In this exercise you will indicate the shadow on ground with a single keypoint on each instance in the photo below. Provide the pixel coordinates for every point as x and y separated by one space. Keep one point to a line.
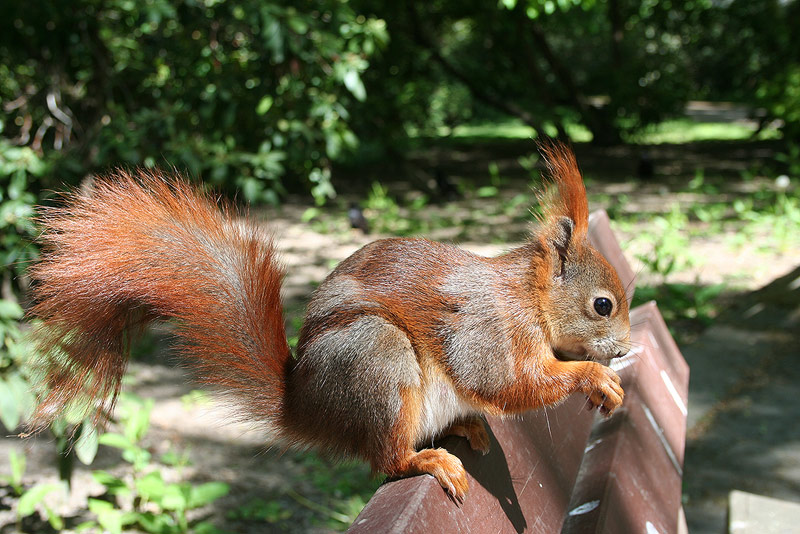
743 418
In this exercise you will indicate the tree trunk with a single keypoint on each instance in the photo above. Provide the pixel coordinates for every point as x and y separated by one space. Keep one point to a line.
534 70
476 89
603 132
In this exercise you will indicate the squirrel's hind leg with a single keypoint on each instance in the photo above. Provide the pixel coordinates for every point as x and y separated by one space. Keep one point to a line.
357 389
401 459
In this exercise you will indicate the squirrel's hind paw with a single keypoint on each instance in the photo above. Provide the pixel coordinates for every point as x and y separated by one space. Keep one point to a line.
446 468
474 430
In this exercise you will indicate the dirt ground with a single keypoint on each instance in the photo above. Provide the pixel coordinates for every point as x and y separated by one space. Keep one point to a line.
743 431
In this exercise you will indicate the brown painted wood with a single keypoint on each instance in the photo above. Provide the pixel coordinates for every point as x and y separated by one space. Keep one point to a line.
630 479
522 485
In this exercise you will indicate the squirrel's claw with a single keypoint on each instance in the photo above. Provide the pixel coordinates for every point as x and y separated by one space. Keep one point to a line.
604 391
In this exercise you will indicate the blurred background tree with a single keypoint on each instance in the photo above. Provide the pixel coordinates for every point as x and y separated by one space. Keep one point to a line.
610 66
242 93
265 96
262 98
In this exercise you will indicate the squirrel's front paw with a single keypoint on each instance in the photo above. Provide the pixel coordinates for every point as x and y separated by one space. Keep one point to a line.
603 389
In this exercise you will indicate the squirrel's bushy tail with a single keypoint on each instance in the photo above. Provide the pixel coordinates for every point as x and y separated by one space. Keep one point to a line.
140 247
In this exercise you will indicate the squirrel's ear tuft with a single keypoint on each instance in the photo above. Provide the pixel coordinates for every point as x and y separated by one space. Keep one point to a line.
564 195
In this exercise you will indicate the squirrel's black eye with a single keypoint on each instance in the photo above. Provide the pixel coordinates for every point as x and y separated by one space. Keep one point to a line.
603 306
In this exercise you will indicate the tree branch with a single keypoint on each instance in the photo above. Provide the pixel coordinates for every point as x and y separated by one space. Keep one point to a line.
474 87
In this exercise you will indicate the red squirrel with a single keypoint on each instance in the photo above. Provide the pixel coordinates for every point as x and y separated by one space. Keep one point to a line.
406 340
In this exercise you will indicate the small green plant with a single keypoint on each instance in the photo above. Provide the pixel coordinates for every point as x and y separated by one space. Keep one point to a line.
699 184
670 241
31 499
16 397
20 169
687 308
512 207
773 213
495 181
143 499
16 461
787 214
712 214
386 216
346 488
790 159
384 210
338 493
296 325
34 498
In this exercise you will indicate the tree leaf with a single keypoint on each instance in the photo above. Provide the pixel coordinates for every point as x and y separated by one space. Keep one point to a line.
352 80
160 523
9 412
118 441
207 493
17 461
109 519
23 394
55 520
86 446
264 105
151 487
10 310
28 501
114 485
176 497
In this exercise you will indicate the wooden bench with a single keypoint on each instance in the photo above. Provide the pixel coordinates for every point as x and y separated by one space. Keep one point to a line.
566 469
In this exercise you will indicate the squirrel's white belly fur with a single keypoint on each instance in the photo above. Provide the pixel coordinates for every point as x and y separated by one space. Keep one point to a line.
441 405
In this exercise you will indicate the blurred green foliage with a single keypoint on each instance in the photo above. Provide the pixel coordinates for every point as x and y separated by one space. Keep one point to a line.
265 96
139 500
143 500
609 67
242 93
19 168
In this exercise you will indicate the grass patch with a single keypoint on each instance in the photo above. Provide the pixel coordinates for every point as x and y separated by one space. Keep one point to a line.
338 493
673 131
509 129
478 209
684 130
688 309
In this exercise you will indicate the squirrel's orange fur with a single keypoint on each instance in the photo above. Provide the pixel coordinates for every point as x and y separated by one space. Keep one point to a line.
405 340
